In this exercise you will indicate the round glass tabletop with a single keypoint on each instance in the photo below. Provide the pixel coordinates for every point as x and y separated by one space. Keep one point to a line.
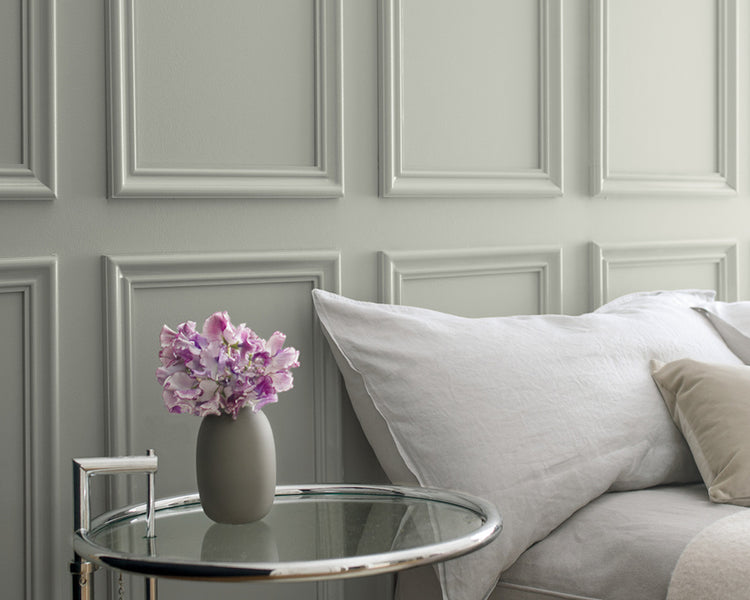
312 532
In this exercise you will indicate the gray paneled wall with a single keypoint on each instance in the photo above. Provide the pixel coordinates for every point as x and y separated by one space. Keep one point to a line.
161 160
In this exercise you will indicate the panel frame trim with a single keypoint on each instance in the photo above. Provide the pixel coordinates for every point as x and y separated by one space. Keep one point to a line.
546 181
398 267
722 254
35 178
36 279
606 182
325 179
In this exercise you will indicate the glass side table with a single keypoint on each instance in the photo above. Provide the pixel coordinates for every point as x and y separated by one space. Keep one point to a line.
313 532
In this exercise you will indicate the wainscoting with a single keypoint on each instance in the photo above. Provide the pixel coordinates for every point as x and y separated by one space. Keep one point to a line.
160 161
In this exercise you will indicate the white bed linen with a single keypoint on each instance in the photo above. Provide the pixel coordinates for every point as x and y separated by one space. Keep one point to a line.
622 546
538 414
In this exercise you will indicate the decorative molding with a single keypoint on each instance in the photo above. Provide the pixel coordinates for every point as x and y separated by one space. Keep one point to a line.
605 181
35 279
323 180
125 275
397 268
722 254
36 176
546 181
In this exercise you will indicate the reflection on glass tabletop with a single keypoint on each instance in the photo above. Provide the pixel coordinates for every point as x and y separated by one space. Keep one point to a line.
312 532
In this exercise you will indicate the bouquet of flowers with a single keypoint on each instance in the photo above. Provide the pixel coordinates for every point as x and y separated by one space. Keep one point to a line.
222 368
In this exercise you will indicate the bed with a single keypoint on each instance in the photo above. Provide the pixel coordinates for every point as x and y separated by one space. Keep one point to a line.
613 443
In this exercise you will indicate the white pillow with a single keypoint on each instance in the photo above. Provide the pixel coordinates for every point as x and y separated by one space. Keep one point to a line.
732 321
538 414
711 406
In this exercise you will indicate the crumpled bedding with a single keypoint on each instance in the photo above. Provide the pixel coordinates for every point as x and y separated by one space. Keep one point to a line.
539 414
622 546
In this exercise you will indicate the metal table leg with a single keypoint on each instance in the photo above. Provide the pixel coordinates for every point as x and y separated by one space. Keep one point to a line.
151 588
82 572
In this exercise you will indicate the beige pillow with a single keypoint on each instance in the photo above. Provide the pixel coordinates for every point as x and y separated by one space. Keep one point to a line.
710 403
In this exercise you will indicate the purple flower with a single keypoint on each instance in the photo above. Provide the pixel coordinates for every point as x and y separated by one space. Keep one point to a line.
223 368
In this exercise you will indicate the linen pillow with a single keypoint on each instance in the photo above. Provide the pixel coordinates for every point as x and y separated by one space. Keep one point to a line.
539 414
710 404
732 321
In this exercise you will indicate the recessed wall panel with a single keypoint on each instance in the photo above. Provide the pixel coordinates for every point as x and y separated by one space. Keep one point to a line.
265 307
11 83
471 98
663 101
12 443
27 100
619 269
475 282
238 98
470 84
664 96
29 514
249 100
476 295
635 278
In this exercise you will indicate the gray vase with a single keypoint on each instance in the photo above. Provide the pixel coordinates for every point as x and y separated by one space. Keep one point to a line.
235 462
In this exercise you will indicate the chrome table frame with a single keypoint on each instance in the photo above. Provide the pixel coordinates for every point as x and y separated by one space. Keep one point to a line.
89 554
83 469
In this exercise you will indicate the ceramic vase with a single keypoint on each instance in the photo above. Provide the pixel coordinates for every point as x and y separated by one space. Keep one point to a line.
235 462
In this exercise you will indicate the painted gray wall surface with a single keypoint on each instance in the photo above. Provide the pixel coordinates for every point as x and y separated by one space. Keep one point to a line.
160 160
